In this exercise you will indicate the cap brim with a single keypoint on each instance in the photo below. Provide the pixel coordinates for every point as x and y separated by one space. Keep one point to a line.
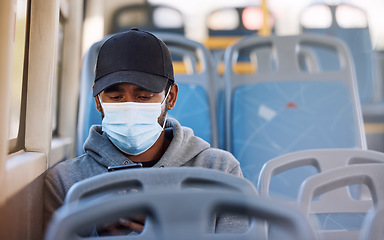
150 82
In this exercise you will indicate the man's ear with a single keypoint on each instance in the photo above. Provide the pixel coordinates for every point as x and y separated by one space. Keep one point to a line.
172 97
98 104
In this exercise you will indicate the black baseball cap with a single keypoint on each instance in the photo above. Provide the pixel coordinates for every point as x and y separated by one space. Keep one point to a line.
136 57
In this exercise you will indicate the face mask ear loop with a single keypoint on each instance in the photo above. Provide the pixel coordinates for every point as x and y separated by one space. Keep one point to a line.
166 96
165 120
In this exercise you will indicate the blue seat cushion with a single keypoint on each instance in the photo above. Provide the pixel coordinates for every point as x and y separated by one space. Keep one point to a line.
273 118
192 110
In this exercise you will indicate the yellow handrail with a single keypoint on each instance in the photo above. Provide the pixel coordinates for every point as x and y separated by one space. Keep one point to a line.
265 29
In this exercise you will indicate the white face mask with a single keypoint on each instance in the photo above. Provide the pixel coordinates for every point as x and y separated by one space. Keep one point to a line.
132 127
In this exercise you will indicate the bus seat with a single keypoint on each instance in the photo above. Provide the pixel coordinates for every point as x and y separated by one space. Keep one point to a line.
88 114
273 182
308 61
150 179
181 215
195 107
358 40
365 57
341 206
269 114
225 27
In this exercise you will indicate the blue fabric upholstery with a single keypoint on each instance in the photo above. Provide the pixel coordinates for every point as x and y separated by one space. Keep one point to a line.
192 110
274 118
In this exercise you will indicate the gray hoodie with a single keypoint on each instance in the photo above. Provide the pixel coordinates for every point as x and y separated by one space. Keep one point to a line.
185 149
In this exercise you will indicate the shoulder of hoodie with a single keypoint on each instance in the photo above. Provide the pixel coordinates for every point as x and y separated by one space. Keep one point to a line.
219 154
78 168
219 158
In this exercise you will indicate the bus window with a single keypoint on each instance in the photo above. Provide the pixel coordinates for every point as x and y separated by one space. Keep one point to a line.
253 18
165 17
350 17
226 19
17 76
310 17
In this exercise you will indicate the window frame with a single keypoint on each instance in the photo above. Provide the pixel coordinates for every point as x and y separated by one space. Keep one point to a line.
17 144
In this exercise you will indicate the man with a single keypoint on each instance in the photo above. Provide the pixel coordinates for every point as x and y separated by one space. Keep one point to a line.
134 88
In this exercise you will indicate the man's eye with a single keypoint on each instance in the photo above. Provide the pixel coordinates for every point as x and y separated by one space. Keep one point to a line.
144 97
115 98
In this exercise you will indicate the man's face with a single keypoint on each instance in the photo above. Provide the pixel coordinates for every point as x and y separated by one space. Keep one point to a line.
125 92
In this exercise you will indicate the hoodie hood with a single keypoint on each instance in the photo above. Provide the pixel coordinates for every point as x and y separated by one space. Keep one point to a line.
183 147
101 149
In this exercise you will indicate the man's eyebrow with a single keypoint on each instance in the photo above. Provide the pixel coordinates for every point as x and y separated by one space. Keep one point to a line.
119 89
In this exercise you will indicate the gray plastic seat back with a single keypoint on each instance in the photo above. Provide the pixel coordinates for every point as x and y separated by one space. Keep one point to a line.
285 108
151 179
370 175
179 215
320 159
143 180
